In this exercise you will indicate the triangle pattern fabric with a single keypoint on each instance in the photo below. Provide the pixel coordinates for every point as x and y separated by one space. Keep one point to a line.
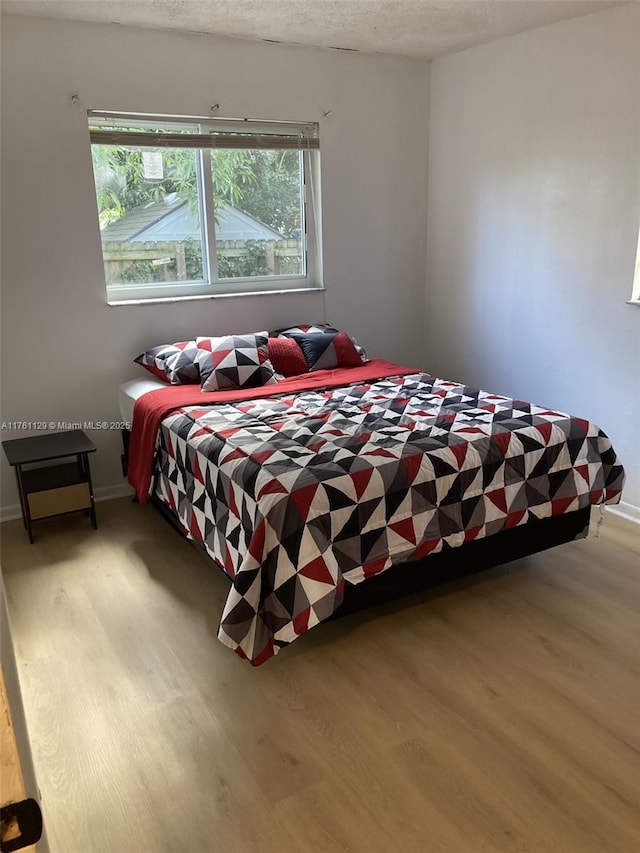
235 361
296 494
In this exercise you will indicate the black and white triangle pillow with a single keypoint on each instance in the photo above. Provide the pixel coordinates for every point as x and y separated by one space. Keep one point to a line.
235 361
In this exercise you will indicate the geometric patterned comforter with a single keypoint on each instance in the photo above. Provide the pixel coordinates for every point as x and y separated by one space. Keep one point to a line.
296 495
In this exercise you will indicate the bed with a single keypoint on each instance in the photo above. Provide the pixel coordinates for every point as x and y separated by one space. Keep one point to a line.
376 479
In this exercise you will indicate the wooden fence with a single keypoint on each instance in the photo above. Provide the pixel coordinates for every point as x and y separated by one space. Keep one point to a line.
170 261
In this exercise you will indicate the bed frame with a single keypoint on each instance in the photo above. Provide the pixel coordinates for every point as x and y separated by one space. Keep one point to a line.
448 565
451 564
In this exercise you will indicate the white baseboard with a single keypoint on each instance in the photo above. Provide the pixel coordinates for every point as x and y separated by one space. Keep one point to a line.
628 512
108 493
105 493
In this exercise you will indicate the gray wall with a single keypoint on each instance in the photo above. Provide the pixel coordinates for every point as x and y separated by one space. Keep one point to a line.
534 205
64 350
533 211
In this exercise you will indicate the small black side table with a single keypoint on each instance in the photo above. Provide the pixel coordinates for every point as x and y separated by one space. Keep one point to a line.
56 489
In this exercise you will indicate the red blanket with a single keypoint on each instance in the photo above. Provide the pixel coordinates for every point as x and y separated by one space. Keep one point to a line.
153 407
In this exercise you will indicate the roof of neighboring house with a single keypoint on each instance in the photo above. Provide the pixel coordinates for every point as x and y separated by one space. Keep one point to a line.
173 220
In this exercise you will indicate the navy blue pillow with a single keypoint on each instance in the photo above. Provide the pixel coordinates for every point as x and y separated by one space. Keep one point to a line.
327 350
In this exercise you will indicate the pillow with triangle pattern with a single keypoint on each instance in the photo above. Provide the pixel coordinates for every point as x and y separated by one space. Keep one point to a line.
327 350
235 361
317 329
174 363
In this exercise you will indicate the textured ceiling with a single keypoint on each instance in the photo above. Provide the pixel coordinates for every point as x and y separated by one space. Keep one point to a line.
415 28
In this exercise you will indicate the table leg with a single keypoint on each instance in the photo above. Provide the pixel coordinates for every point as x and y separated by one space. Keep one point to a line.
87 470
24 504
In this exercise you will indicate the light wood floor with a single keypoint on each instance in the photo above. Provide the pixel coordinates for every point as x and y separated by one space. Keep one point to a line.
498 714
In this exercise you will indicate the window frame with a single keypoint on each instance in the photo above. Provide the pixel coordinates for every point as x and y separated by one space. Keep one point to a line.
214 286
635 289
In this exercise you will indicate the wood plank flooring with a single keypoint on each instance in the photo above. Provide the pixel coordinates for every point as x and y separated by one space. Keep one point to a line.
501 713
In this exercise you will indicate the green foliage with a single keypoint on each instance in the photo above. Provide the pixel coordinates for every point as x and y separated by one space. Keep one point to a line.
193 259
252 262
273 193
139 272
233 175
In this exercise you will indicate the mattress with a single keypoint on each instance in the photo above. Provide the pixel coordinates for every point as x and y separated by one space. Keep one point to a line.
131 390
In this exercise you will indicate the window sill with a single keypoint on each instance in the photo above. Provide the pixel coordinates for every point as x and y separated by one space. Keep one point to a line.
635 302
159 300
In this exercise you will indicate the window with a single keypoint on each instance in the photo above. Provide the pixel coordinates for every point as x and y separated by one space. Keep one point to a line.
635 293
191 207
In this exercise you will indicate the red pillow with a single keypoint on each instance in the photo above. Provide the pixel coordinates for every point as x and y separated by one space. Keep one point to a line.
346 351
287 357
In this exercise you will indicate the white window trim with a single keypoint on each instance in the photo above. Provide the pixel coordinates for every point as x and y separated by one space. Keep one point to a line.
310 280
160 300
221 287
635 292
